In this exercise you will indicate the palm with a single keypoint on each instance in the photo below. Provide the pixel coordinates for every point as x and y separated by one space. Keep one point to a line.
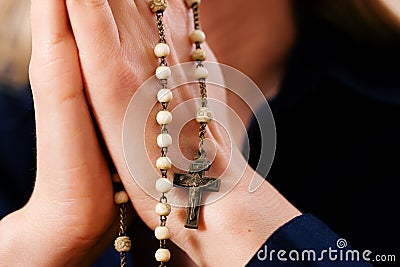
117 57
72 172
73 179
109 53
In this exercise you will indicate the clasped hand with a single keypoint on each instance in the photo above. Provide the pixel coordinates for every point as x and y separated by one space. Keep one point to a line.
88 58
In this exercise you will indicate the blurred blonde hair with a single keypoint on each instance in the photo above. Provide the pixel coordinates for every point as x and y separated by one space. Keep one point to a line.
15 42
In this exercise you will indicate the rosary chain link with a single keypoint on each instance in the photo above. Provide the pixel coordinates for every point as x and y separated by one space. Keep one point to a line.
122 259
202 130
203 89
160 26
122 219
163 82
122 232
164 106
196 16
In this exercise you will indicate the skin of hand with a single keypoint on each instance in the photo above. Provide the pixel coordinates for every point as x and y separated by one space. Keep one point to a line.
71 209
115 40
107 50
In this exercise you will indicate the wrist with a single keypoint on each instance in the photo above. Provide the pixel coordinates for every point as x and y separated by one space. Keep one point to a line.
238 225
20 244
25 241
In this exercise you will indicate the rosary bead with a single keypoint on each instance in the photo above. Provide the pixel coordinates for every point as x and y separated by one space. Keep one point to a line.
164 95
163 209
121 197
161 50
115 178
197 36
200 73
163 185
122 244
204 114
163 255
158 5
164 117
164 140
163 72
163 163
190 3
162 233
199 54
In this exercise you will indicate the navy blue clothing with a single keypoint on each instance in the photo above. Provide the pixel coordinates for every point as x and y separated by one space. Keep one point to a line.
304 242
17 148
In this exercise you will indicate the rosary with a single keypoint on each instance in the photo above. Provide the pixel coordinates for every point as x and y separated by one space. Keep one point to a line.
194 181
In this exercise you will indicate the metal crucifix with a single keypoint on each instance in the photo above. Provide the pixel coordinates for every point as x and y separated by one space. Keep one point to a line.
196 183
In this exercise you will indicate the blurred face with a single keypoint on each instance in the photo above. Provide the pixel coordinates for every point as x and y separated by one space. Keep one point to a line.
252 36
394 8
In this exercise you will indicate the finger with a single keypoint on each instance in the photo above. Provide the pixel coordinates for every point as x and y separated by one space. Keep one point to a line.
143 8
124 13
50 24
54 73
53 50
65 134
96 33
98 40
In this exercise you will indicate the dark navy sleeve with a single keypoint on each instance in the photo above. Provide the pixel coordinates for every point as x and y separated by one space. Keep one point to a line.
306 241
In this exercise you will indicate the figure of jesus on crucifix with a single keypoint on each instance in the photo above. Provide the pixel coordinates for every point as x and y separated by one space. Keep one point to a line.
196 182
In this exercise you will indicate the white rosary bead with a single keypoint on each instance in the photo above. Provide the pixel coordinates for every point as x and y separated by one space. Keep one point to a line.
163 209
164 95
200 73
163 72
121 197
163 185
161 50
198 36
164 117
190 3
164 140
204 114
163 163
163 255
162 232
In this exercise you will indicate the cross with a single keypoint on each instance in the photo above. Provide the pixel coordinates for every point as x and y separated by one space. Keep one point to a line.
196 183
